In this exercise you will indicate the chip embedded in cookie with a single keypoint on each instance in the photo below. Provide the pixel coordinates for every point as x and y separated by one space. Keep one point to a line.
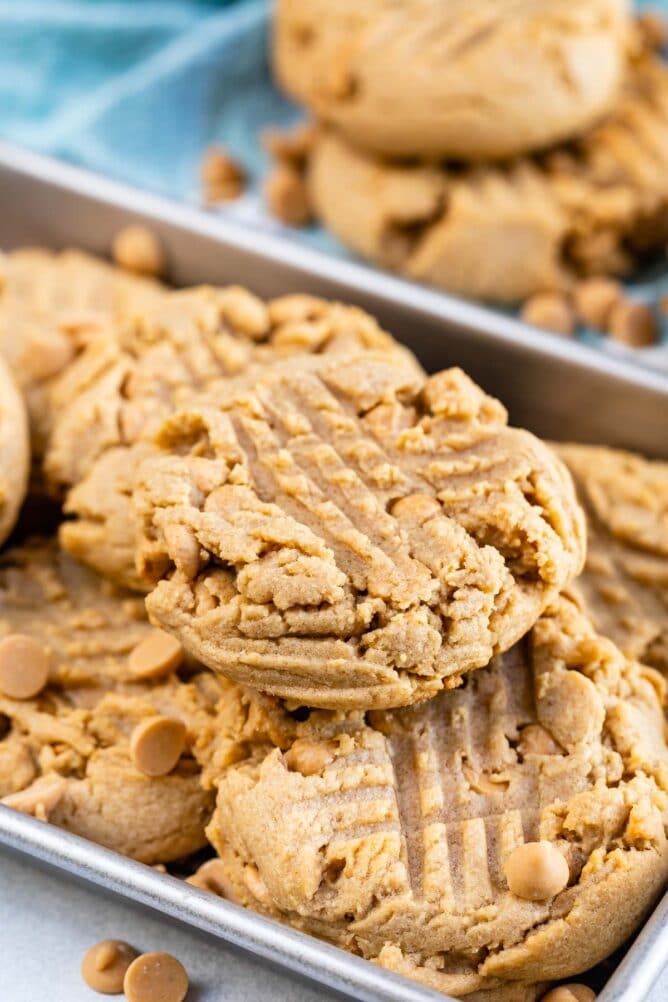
485 833
71 701
352 534
14 452
624 585
112 399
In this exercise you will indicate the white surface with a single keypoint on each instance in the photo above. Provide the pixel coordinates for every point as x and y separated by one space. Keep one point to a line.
47 922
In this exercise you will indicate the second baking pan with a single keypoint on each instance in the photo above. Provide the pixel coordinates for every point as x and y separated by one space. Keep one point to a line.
557 388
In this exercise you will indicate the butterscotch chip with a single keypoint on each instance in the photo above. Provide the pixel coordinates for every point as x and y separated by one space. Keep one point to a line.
156 655
157 744
137 249
293 146
104 965
287 197
24 666
155 977
551 312
595 299
310 757
633 324
570 993
536 871
416 508
212 876
398 849
223 178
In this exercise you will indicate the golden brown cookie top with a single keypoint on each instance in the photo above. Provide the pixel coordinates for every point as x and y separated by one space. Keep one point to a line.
478 835
352 534
505 232
14 451
458 80
624 586
125 384
51 306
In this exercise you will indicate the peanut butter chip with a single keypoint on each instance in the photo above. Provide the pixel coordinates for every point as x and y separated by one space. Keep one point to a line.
287 197
595 299
24 667
416 508
536 871
633 324
156 745
212 876
570 993
137 249
155 977
310 757
551 312
156 655
104 965
223 179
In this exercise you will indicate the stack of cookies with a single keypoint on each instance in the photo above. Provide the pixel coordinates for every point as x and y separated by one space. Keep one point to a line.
493 149
328 614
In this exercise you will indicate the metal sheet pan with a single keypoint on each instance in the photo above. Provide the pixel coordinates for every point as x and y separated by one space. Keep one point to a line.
555 387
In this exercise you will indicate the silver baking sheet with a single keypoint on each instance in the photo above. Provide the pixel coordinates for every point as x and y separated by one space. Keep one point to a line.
556 387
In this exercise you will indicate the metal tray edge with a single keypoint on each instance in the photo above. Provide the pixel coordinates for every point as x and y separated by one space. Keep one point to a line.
357 277
304 955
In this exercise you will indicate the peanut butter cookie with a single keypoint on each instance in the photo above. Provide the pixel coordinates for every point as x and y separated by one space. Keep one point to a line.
14 452
471 842
80 678
624 586
459 79
352 534
111 400
503 233
51 306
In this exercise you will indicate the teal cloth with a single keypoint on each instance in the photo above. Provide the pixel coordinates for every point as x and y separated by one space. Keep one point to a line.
137 89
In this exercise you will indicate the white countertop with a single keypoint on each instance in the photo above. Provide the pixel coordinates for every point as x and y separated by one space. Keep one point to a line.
48 921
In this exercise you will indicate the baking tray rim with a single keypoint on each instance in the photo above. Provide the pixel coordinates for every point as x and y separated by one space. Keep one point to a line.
359 277
302 954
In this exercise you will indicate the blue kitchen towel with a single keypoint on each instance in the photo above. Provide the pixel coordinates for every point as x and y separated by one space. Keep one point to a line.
135 90
138 90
